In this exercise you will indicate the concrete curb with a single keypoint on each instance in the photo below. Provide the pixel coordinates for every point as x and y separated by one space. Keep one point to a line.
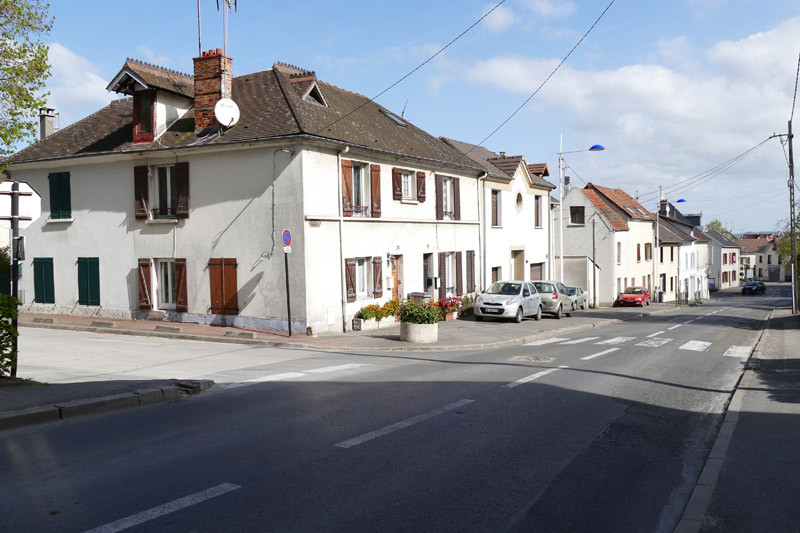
103 404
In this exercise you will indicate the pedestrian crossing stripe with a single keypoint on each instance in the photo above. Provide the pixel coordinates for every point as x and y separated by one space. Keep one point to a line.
654 342
738 351
541 342
696 346
616 340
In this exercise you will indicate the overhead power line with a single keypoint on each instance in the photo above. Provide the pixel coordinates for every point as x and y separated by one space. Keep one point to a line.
796 77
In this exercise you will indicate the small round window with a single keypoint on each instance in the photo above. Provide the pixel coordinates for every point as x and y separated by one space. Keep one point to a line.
519 202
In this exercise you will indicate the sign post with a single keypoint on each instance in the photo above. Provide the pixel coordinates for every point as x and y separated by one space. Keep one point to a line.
287 249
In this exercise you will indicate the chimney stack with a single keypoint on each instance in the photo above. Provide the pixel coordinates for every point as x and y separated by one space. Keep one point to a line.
212 82
503 155
47 117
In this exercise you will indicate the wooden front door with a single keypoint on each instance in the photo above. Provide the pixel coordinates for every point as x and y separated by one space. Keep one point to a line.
397 274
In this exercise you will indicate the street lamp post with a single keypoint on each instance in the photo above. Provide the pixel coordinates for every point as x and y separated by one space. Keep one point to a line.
594 148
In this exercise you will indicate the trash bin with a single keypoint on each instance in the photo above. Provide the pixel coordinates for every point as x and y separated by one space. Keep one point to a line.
660 297
421 297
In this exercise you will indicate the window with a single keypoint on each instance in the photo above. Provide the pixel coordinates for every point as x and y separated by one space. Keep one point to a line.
619 253
88 281
638 253
360 190
448 198
672 283
733 257
363 281
661 254
143 115
576 215
734 275
496 221
166 193
60 198
409 185
167 290
648 251
619 285
43 292
769 259
537 204
519 203
495 274
760 258
672 255
170 191
724 261
450 274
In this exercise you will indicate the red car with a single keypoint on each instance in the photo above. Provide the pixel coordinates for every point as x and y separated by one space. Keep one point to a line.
635 296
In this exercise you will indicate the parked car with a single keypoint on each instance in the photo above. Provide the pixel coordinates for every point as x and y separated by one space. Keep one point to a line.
578 296
754 287
509 299
634 296
555 298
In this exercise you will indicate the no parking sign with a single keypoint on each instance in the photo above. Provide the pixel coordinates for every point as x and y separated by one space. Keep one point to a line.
287 241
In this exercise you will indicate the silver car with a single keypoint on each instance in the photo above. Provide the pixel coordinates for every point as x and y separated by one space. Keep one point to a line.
555 298
578 296
509 299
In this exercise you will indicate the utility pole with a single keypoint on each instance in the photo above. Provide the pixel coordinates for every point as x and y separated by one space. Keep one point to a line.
792 224
594 263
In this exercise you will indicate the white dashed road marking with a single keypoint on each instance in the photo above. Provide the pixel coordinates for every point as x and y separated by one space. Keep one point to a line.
167 508
401 425
654 343
276 377
599 354
616 340
578 341
656 334
545 341
675 326
697 346
738 351
531 378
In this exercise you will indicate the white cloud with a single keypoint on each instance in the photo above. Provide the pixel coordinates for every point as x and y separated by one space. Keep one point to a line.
76 90
500 19
551 8
151 57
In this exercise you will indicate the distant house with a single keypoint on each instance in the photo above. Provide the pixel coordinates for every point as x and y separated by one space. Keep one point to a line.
723 268
760 259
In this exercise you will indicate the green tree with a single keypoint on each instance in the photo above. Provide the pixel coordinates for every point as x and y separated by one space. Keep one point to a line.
783 244
23 69
716 225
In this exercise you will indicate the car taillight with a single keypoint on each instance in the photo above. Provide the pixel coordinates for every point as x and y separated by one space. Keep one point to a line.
555 295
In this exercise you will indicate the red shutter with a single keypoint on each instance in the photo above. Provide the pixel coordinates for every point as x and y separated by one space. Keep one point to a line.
442 275
459 278
182 182
420 186
470 271
439 198
377 277
230 288
145 303
350 278
375 190
140 191
347 187
456 199
397 183
182 303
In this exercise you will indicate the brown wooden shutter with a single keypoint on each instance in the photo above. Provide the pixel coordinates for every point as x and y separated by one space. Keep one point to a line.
377 277
495 198
140 191
215 279
145 302
470 271
459 277
182 303
420 186
456 199
397 183
347 187
375 190
439 198
182 182
350 278
230 286
442 275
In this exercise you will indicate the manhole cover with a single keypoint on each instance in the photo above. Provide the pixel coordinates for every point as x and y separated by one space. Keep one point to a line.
532 359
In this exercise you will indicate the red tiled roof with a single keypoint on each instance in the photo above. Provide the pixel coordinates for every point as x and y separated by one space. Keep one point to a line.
608 212
624 202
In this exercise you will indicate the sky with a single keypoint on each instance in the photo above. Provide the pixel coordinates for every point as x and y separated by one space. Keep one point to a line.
672 89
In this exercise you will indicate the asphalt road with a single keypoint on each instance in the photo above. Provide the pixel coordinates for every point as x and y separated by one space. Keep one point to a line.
600 430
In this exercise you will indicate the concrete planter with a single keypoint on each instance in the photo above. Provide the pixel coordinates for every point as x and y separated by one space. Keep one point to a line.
419 333
364 324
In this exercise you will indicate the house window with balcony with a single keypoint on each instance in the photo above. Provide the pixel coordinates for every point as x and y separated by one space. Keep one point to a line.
360 190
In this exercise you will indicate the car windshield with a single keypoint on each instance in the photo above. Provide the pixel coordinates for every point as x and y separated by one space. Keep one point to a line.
502 287
572 291
751 284
544 287
633 290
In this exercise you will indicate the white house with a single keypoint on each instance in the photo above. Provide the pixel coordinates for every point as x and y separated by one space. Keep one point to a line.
723 264
151 208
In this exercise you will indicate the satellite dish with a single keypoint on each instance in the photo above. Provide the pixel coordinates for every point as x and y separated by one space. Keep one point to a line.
227 112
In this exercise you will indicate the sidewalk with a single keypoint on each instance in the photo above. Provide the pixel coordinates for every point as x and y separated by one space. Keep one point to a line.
750 481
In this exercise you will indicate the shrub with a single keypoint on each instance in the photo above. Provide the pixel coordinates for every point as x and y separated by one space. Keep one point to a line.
370 311
418 313
391 308
8 312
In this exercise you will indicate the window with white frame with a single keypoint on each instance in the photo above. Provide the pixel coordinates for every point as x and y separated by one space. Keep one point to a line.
361 196
362 276
450 274
167 288
166 193
448 203
409 185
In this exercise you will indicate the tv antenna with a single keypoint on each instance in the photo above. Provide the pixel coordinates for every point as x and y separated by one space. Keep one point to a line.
227 6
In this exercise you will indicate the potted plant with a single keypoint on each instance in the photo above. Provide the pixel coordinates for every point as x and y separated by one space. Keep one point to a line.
419 322
367 318
449 307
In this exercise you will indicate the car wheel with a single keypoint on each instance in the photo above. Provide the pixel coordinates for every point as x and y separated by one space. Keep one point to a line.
518 316
571 309
583 305
478 318
648 302
538 315
557 315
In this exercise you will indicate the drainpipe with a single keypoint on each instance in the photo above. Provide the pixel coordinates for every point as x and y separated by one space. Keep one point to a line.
482 227
341 238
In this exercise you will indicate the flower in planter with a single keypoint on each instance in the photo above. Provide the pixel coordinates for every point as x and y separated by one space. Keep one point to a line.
370 311
418 313
450 305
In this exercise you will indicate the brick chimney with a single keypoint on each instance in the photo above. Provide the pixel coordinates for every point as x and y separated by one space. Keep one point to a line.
212 82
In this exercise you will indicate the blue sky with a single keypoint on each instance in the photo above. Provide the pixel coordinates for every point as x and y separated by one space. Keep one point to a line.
671 88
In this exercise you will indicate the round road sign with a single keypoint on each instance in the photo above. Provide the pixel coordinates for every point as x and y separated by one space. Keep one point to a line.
287 237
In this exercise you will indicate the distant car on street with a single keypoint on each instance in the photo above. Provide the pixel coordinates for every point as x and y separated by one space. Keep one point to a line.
634 296
754 287
555 298
509 299
578 296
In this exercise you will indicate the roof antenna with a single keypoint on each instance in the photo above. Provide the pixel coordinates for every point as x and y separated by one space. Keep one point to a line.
199 35
229 5
403 113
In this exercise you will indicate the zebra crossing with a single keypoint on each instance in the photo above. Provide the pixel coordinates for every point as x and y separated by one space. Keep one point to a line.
653 340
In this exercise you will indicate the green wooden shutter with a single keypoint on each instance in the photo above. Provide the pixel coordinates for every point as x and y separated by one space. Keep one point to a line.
43 289
60 200
88 281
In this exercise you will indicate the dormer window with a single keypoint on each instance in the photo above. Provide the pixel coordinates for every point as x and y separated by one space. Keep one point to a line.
313 94
144 115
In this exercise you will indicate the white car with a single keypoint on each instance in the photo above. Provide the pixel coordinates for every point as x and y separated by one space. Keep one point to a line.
509 299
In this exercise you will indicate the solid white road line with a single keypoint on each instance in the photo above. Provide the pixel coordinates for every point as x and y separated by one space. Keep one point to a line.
400 425
327 369
578 341
276 377
599 354
532 377
738 351
167 508
545 341
697 346
656 334
675 326
616 340
654 343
